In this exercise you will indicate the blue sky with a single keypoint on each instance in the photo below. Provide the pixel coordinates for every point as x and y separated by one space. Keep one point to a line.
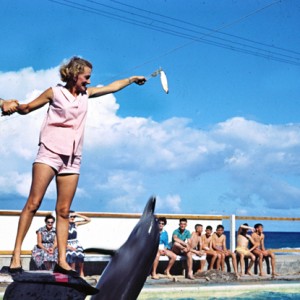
225 140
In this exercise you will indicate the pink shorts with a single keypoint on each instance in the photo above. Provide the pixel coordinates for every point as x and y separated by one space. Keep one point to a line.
63 164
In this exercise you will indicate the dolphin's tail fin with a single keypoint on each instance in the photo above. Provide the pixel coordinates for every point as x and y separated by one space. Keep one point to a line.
100 251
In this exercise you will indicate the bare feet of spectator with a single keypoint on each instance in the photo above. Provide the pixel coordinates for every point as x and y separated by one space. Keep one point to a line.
154 276
168 274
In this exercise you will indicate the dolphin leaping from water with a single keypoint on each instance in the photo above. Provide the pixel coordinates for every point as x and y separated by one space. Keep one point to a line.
126 273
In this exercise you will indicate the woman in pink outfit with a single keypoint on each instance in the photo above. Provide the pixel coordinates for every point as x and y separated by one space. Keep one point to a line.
60 149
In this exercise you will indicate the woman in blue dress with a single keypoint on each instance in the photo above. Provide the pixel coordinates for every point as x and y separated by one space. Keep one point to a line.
75 254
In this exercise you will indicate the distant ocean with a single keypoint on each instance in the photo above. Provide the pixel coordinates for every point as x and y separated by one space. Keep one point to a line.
278 240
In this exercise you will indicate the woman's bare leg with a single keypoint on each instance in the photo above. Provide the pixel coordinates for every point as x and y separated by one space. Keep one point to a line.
81 268
42 175
242 262
66 188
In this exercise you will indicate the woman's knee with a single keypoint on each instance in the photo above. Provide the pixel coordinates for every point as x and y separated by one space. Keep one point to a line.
62 212
32 205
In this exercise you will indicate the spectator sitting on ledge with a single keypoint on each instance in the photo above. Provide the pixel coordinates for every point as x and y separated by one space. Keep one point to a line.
44 253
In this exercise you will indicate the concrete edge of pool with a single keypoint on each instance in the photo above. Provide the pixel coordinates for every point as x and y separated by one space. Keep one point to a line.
222 290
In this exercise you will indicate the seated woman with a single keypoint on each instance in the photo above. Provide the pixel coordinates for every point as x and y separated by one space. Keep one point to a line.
44 253
75 255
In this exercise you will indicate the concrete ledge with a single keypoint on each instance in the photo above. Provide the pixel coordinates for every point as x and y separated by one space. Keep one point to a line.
95 264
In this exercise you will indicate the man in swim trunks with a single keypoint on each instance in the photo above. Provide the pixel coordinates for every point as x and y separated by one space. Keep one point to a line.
261 252
219 245
242 248
196 246
180 241
207 247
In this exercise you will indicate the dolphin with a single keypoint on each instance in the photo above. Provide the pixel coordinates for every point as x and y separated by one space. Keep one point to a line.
127 271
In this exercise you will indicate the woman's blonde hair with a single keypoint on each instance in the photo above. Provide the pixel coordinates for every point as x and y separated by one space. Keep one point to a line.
71 69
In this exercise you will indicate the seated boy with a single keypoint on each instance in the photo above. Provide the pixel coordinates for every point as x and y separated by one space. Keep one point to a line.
219 245
261 252
196 246
207 247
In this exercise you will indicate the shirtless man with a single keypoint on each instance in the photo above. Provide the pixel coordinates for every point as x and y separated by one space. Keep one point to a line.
207 247
180 241
196 246
261 251
219 245
242 248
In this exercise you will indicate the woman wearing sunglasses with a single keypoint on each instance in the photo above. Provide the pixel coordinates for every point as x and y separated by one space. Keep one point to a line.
75 254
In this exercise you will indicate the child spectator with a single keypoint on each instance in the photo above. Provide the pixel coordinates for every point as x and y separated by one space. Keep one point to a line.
219 245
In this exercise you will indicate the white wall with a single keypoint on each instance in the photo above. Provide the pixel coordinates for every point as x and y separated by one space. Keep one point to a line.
109 233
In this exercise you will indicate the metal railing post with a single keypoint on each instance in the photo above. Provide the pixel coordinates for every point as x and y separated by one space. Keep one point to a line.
232 233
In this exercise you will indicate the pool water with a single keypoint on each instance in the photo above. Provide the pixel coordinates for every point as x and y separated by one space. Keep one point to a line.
243 292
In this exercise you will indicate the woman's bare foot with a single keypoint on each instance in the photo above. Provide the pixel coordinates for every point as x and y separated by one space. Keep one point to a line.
262 274
15 261
249 273
191 276
64 265
274 275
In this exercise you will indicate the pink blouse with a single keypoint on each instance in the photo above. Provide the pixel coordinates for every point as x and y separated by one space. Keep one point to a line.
63 128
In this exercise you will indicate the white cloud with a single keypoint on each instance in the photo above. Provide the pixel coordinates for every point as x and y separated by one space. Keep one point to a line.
170 203
18 85
124 153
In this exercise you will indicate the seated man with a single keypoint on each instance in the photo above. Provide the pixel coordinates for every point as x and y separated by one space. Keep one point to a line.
261 252
196 246
180 241
163 250
242 248
219 245
207 247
